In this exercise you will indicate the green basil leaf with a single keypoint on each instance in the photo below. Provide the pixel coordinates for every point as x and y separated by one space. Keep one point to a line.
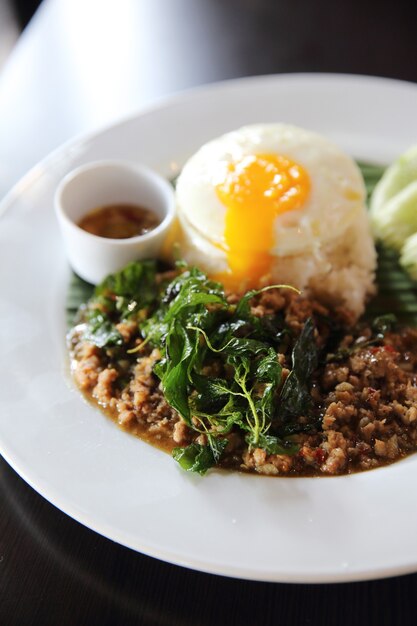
212 393
384 324
100 331
295 398
195 458
274 445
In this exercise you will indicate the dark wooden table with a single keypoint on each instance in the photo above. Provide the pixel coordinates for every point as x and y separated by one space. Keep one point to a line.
55 571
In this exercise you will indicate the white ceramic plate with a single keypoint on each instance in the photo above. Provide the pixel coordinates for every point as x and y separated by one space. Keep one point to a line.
282 529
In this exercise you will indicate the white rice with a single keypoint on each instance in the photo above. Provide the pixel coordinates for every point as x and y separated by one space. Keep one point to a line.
339 273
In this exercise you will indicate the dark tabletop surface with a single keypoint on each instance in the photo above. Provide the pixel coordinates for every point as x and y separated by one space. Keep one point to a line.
55 571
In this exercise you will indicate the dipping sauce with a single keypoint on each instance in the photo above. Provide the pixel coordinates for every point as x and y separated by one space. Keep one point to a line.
119 221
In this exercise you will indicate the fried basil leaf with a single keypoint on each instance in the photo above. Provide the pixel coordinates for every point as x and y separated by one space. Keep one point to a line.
274 445
101 331
295 398
197 458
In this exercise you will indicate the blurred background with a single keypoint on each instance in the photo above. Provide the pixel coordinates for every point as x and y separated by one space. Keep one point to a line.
14 17
73 66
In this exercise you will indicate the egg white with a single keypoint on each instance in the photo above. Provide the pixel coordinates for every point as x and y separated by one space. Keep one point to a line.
336 196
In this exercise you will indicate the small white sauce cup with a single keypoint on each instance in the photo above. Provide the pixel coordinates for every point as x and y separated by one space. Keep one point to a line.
103 183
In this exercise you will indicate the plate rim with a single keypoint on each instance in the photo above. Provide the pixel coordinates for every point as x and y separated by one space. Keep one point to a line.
168 100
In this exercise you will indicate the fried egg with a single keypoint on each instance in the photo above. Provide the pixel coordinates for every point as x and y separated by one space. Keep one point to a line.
263 193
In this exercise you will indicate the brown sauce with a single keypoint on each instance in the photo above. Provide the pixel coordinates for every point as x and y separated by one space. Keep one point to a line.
119 221
166 444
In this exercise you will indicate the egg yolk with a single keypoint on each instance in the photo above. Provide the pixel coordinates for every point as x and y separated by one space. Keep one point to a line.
255 190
